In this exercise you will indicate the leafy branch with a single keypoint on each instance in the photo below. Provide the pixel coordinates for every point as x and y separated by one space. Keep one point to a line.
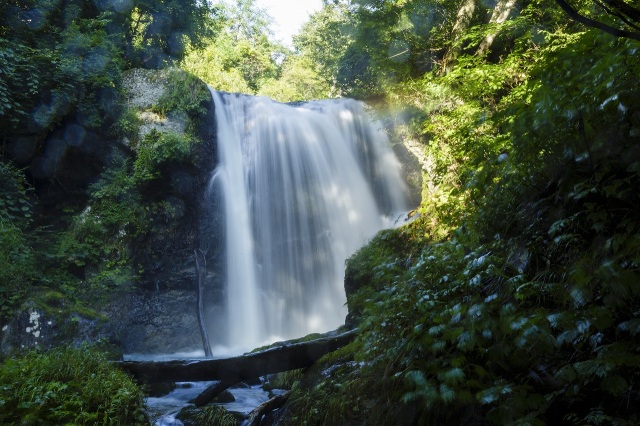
616 8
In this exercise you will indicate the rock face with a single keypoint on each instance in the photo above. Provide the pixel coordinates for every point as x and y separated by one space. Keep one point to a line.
29 328
34 327
161 316
156 322
411 173
144 88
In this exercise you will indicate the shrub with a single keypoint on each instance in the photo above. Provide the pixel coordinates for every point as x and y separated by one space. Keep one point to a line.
16 255
68 386
214 415
184 93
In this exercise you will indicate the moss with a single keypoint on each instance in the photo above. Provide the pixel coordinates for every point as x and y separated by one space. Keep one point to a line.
285 380
375 265
51 298
62 307
307 338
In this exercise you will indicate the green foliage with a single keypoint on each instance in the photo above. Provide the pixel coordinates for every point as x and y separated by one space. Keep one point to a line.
240 58
156 34
214 415
17 259
285 380
127 126
16 69
67 386
91 259
157 149
313 403
65 64
207 65
297 82
320 45
184 93
15 207
61 60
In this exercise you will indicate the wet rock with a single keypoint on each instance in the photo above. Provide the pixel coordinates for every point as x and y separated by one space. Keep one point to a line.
156 322
224 398
159 389
33 327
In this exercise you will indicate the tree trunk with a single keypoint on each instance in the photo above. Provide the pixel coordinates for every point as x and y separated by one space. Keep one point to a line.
463 19
276 402
201 272
573 13
210 393
500 14
241 368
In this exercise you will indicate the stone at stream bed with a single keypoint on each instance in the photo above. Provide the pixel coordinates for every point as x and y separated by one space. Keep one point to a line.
159 389
212 391
224 398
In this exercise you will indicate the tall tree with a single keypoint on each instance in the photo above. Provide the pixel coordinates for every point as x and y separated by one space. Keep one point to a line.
324 39
159 32
240 57
501 12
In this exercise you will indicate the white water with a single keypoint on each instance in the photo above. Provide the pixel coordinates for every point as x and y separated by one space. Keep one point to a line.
162 411
303 188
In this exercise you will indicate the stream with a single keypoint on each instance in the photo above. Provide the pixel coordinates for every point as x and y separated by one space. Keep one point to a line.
163 410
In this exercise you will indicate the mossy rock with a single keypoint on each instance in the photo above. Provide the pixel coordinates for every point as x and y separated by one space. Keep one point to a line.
208 415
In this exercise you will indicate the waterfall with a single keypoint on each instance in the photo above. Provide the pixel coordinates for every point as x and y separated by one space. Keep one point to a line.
302 187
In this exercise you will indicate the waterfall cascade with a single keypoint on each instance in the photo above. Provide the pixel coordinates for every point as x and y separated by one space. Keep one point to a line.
302 187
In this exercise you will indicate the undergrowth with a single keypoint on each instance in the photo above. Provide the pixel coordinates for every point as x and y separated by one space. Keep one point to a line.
67 386
527 309
214 415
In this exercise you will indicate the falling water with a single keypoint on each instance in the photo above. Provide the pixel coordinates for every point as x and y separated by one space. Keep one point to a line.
303 187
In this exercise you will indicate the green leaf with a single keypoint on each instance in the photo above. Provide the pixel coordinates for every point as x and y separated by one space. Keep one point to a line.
446 393
453 376
632 326
615 385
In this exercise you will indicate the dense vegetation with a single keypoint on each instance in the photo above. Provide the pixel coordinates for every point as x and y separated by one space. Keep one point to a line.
68 386
514 296
75 174
67 188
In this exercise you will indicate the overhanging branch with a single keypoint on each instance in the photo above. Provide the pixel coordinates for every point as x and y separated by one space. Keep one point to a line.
573 13
613 9
623 8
